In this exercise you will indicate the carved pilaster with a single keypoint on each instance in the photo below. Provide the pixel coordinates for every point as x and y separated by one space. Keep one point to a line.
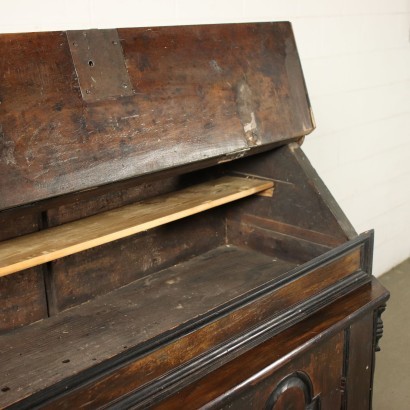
379 327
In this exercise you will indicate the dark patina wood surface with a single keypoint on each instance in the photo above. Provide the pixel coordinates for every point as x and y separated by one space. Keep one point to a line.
317 347
276 225
235 307
43 354
155 322
199 92
314 214
22 297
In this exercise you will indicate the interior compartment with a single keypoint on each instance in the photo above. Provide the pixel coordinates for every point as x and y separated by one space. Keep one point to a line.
99 302
112 282
273 222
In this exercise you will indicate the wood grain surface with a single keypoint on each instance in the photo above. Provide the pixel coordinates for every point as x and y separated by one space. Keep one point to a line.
236 385
301 198
50 244
199 93
132 318
34 357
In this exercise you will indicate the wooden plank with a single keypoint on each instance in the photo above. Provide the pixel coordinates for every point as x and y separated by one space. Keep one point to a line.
22 295
44 246
129 319
22 298
195 98
83 276
301 199
360 363
35 357
270 242
291 230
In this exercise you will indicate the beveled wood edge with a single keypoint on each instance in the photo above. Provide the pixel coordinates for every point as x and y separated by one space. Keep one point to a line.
379 297
191 370
126 183
313 236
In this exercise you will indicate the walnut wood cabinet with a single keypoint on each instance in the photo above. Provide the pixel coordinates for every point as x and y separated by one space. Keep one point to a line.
164 241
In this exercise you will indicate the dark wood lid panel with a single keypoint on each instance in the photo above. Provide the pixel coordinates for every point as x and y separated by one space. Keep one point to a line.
199 92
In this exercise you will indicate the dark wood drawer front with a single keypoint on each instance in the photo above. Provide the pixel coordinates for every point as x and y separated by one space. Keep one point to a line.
311 365
310 381
264 378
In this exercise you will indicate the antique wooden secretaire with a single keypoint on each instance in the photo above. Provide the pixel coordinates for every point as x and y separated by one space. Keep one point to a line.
164 241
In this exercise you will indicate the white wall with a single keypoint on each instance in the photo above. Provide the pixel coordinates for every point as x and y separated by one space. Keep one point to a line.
356 58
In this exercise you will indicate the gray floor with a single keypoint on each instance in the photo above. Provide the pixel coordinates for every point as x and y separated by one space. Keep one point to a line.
392 376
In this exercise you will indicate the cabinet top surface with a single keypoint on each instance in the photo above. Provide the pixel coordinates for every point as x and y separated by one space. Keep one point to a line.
81 109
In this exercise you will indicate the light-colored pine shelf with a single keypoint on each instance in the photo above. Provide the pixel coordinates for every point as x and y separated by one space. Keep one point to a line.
54 243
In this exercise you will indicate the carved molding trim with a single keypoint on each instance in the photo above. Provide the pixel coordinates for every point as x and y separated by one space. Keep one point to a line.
299 381
379 327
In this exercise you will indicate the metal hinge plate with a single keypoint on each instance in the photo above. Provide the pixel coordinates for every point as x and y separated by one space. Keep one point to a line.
99 63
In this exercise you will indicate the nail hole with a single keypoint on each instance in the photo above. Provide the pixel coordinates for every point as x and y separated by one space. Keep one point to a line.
91 63
5 388
66 361
125 347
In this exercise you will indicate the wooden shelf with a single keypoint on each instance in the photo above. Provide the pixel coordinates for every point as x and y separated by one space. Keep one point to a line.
53 243
37 356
